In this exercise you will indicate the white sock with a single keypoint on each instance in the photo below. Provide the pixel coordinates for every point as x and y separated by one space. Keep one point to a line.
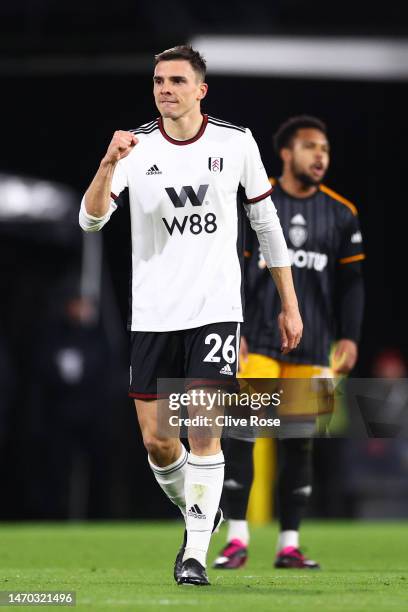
171 479
238 530
288 538
203 487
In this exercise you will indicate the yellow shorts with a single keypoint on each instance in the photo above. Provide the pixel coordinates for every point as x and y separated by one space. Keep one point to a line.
298 400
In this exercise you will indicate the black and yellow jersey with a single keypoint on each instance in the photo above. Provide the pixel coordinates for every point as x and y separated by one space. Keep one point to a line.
323 234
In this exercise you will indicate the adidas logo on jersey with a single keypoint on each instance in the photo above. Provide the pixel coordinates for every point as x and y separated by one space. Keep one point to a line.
154 170
226 370
195 512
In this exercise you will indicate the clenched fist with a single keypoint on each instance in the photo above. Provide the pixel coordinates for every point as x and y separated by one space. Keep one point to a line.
120 146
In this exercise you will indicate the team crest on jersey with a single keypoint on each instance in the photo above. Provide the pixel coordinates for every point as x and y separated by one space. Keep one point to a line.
216 164
298 233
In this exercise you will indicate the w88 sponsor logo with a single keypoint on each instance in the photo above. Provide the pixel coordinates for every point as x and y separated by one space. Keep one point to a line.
198 223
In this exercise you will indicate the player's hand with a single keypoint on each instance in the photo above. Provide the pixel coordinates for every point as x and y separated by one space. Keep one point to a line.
120 146
243 350
344 356
291 329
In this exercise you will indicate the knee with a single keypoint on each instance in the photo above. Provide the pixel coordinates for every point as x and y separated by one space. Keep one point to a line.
160 449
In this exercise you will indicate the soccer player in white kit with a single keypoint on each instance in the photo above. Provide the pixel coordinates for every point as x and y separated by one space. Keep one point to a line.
189 176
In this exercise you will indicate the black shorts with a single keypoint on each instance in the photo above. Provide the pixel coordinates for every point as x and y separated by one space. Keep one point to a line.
205 355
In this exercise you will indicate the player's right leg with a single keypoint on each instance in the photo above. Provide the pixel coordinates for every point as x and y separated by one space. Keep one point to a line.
153 356
209 370
167 457
158 355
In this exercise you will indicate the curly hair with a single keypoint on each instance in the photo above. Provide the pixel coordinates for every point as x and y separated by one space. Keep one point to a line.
287 130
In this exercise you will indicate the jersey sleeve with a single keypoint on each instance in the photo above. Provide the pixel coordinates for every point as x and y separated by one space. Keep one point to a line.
254 178
351 244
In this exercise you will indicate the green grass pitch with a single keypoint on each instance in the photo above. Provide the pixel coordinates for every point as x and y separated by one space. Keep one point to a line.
128 566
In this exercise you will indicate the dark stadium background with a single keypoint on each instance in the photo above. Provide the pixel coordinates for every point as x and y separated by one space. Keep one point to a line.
57 119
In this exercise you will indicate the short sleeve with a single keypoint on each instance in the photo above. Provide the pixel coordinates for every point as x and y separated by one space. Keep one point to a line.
254 178
351 245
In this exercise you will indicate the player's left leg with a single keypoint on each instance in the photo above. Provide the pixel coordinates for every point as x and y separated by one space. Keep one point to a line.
211 364
202 488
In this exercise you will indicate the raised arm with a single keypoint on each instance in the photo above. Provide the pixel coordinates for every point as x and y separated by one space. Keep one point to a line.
98 194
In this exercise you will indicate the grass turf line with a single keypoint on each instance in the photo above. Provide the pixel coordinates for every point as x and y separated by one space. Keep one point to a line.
128 566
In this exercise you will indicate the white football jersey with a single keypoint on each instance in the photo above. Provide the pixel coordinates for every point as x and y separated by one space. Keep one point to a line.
185 211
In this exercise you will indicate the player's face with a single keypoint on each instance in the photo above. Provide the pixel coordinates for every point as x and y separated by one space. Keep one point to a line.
177 88
309 156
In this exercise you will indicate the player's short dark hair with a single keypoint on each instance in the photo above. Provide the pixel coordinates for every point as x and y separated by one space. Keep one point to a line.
184 52
287 131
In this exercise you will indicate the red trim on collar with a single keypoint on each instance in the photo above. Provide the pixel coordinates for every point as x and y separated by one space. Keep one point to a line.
184 142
